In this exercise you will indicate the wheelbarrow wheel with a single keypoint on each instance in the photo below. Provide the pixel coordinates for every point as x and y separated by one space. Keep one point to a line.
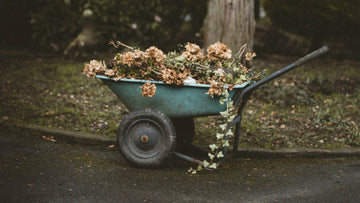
146 137
185 130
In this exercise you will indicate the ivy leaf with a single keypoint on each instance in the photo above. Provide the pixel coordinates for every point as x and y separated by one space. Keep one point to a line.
213 165
219 136
223 126
211 156
205 164
229 132
220 155
224 113
222 101
230 105
213 147
225 93
226 143
231 118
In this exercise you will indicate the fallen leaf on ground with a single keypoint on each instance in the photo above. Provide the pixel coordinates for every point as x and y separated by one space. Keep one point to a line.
50 138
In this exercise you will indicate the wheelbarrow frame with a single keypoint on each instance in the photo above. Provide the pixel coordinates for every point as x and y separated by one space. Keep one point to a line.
240 95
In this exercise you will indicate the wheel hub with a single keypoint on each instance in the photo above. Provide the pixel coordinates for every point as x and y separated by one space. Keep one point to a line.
145 138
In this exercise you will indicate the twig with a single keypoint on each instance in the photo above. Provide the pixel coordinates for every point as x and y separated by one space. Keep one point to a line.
157 73
118 43
242 50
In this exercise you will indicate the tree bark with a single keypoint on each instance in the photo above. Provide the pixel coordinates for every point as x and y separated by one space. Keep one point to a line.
231 22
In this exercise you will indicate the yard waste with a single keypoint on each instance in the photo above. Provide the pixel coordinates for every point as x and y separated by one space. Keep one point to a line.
147 135
220 67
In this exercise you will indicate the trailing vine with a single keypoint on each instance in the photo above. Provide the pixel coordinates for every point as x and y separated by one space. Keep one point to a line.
222 137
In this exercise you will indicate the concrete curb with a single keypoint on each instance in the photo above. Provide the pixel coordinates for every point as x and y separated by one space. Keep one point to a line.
300 152
61 134
87 138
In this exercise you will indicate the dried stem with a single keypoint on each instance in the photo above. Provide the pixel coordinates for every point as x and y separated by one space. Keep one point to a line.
117 44
242 50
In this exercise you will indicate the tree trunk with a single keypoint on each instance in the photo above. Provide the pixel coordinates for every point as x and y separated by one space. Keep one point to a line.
231 22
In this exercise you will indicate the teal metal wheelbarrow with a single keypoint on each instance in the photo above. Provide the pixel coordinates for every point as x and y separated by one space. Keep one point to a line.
154 127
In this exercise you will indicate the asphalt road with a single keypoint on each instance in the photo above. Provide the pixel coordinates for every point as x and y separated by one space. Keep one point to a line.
34 168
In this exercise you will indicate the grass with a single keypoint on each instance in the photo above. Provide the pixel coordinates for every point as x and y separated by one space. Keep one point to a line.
315 106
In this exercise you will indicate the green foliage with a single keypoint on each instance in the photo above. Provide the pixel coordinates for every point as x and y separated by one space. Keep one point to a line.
320 19
158 22
55 27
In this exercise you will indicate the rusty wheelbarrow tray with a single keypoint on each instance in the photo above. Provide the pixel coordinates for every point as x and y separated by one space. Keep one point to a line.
149 133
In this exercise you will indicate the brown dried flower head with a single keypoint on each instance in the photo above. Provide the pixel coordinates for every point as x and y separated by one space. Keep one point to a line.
249 56
170 76
155 54
193 52
215 88
110 72
218 51
148 89
135 57
94 67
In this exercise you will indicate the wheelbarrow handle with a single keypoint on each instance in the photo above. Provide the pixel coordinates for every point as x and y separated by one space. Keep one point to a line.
239 96
311 56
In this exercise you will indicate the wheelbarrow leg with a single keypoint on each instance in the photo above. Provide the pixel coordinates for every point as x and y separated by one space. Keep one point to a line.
238 119
187 158
237 136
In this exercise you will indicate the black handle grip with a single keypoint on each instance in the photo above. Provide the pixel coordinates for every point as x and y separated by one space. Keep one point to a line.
311 56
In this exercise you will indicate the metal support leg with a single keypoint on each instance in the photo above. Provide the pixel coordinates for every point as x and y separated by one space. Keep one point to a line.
237 135
243 99
187 158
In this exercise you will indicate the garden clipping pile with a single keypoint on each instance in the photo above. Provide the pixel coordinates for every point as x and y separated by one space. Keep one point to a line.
219 67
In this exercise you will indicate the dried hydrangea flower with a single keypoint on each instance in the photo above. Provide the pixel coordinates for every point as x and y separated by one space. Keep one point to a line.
249 56
215 88
170 76
218 51
155 54
135 58
153 64
181 77
148 89
192 52
110 72
94 67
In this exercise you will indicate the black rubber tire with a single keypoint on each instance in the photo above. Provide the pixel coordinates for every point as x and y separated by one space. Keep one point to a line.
146 137
185 130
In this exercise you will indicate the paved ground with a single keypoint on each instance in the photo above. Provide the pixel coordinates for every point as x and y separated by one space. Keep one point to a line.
34 168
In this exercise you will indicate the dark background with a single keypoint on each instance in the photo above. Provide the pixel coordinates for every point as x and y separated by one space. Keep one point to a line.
283 27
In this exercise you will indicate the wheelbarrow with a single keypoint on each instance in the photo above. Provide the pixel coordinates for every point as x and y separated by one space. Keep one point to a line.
149 133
